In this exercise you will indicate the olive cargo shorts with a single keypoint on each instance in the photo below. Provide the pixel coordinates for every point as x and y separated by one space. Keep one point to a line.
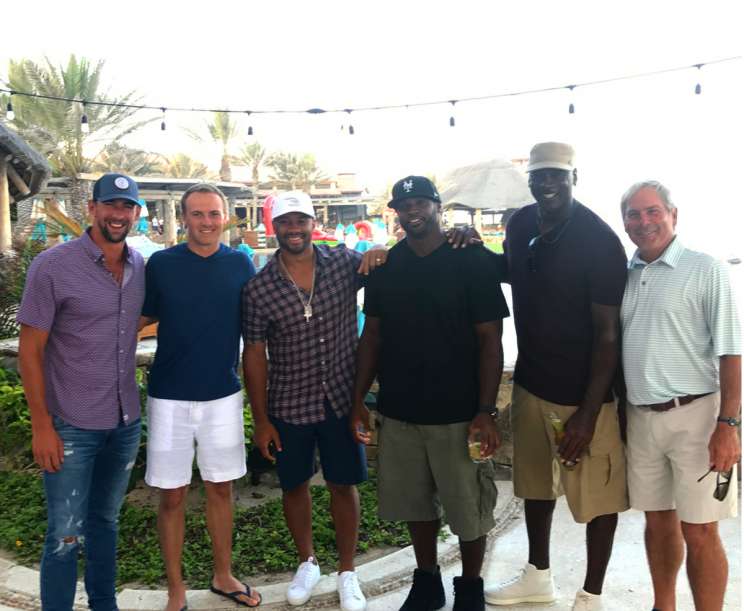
423 468
598 486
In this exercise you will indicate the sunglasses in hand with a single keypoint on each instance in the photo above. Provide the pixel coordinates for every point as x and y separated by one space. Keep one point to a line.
723 481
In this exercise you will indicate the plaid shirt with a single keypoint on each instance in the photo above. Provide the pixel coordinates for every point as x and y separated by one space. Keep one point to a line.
308 360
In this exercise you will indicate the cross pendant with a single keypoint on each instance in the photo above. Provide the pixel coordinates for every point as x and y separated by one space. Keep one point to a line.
308 312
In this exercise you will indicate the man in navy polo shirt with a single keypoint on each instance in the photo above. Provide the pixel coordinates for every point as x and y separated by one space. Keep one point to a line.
78 318
194 392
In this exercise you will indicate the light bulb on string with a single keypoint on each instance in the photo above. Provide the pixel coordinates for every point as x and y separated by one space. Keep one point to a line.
698 88
571 109
250 127
84 127
351 127
162 125
452 118
10 115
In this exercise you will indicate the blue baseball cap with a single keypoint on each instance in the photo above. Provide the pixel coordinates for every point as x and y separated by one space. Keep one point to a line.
115 186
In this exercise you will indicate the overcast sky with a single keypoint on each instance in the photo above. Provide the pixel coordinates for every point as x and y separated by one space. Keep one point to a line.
299 55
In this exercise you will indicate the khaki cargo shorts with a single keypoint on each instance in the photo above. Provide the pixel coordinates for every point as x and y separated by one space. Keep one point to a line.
597 487
423 469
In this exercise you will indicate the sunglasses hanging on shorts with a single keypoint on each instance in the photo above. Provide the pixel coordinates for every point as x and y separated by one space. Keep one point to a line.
722 487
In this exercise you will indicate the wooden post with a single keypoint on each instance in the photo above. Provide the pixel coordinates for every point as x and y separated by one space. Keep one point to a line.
478 221
5 237
17 180
169 220
325 215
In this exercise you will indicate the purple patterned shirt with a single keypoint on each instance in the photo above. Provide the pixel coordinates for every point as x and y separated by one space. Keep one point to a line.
89 359
308 360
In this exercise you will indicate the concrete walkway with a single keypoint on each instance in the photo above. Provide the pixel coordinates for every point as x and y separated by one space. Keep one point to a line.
386 581
628 583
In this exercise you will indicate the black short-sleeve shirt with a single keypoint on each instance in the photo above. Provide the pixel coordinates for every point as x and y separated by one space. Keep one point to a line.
552 306
429 306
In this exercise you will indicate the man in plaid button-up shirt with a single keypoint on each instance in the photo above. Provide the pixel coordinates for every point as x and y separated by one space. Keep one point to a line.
302 304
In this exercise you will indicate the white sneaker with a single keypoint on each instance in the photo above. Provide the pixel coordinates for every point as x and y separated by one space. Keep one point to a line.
349 592
301 588
587 602
530 586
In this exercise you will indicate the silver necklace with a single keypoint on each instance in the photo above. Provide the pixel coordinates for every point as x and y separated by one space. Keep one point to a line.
307 305
568 220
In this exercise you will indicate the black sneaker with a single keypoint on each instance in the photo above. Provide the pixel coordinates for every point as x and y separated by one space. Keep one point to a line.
427 592
469 595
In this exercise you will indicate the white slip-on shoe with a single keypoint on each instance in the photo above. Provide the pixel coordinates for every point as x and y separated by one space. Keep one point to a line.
301 588
349 592
530 586
587 602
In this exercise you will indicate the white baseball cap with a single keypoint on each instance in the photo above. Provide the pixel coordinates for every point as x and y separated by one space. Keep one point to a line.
292 201
552 155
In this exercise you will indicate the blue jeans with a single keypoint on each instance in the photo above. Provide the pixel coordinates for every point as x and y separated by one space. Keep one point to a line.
83 503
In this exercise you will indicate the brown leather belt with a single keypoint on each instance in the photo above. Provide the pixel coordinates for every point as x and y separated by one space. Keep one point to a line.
664 407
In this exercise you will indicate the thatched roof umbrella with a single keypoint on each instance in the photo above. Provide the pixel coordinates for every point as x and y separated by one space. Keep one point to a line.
23 173
496 186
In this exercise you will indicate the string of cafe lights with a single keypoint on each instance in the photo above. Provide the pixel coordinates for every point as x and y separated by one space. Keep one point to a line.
85 126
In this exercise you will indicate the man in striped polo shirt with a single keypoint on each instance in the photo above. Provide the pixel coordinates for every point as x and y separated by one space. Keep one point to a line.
682 366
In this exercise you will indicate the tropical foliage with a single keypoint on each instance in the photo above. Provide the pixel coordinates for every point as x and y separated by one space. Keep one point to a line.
291 171
378 207
54 127
125 160
13 270
222 129
183 166
253 156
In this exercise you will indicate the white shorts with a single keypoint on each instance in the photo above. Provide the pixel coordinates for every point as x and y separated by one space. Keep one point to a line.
668 453
172 428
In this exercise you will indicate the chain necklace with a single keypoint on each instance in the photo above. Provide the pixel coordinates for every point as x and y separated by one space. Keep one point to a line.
568 220
307 305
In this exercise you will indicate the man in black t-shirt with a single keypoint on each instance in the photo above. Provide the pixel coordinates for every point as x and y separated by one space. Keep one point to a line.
567 270
433 336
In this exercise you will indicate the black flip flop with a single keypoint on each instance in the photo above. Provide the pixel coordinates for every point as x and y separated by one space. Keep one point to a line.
233 596
185 608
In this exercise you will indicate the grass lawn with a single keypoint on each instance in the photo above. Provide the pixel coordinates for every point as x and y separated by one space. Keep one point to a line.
495 247
261 539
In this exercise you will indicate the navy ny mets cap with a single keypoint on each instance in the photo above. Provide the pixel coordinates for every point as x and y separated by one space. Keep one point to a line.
414 186
115 186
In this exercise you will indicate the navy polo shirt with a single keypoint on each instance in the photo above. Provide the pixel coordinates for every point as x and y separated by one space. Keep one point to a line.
197 300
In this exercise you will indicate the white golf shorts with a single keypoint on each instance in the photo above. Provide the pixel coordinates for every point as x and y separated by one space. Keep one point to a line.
173 427
667 455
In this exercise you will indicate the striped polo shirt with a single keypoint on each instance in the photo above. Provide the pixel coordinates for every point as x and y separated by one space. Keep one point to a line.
678 317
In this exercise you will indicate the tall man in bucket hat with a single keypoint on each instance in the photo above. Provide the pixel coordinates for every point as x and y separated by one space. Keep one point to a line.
78 318
567 271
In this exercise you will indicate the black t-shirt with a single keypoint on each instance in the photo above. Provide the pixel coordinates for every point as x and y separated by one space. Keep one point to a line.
428 306
552 306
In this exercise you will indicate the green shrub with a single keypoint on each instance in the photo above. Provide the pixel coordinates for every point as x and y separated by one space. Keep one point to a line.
15 421
261 539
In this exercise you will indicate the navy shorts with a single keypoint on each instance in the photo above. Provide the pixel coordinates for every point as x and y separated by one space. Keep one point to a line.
343 460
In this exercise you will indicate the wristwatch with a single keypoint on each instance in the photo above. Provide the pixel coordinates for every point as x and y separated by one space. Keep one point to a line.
489 409
729 421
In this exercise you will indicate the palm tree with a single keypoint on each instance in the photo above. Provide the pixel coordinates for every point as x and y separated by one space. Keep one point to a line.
54 127
124 160
222 129
183 166
252 156
293 171
378 207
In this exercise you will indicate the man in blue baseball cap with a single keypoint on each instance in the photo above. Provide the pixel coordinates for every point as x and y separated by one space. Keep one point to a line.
78 317
116 193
